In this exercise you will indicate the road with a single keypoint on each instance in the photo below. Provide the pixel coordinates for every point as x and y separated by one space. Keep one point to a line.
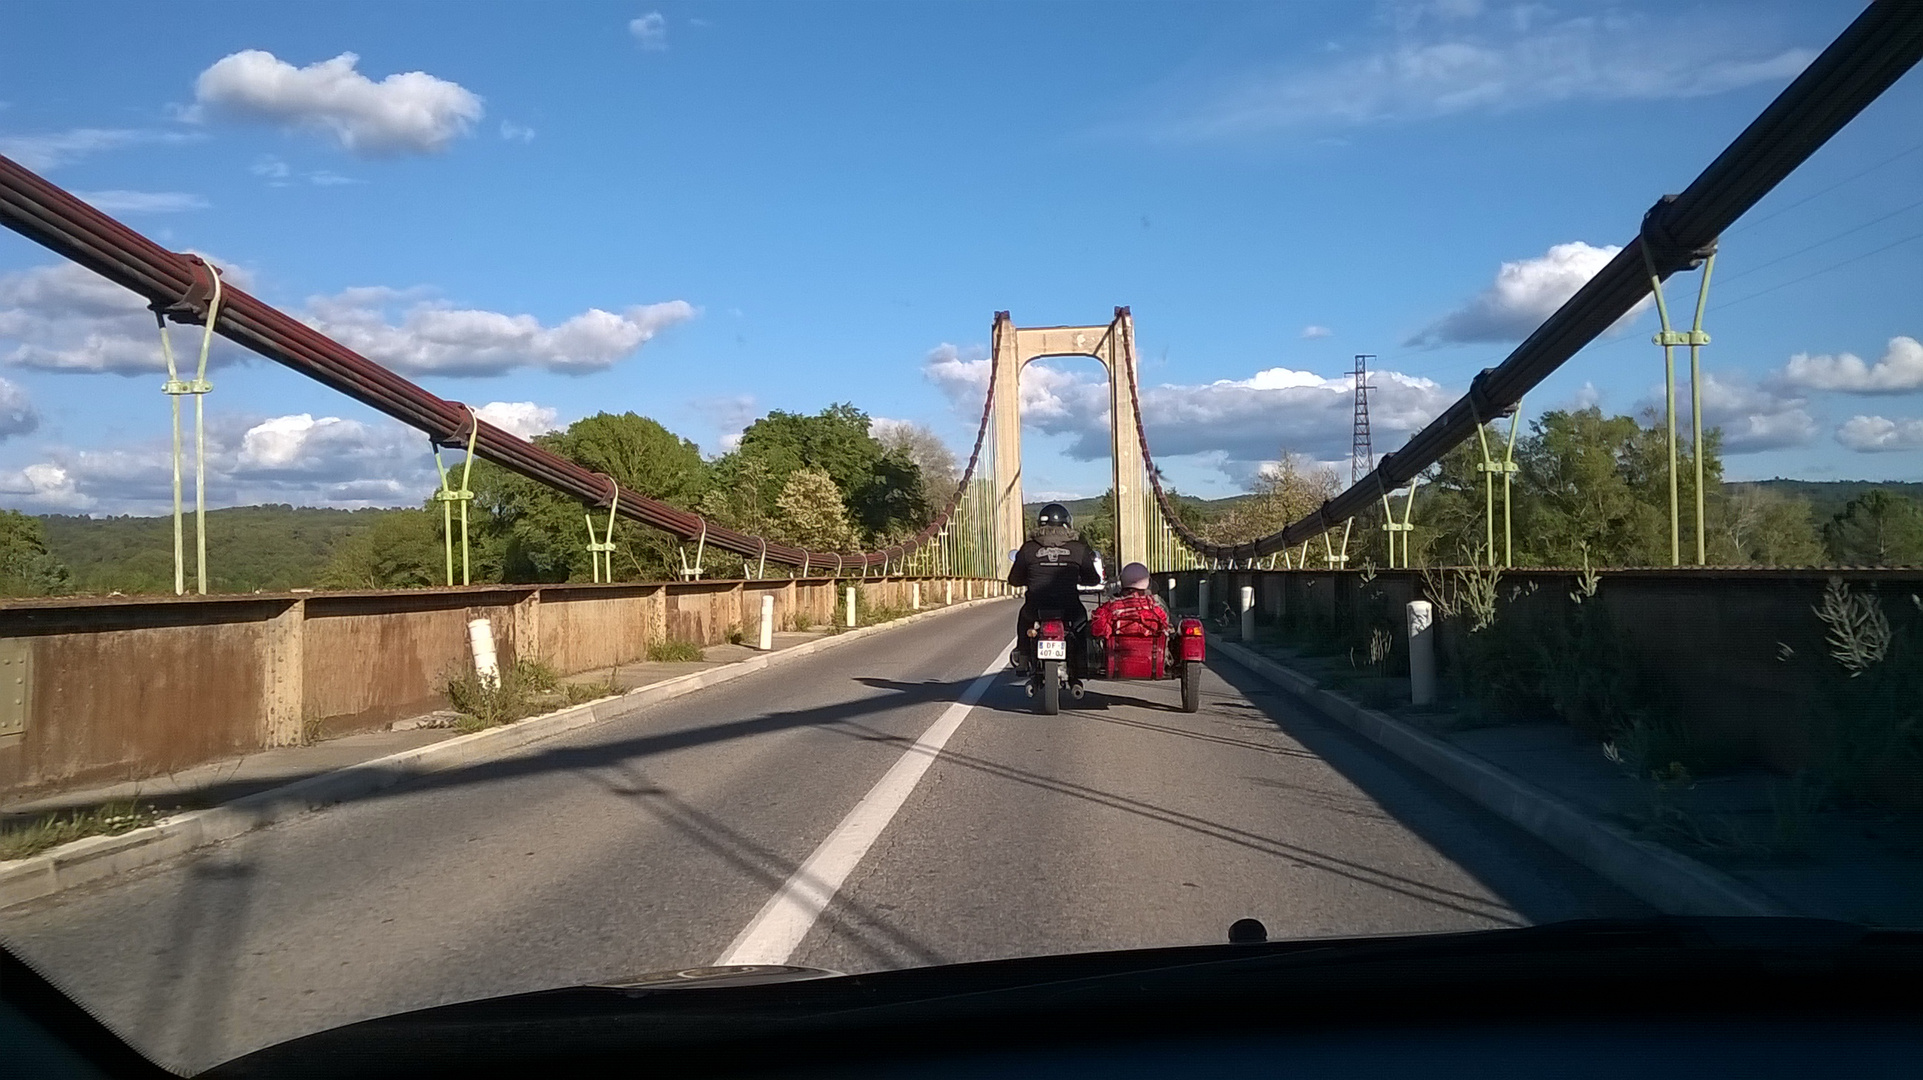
659 841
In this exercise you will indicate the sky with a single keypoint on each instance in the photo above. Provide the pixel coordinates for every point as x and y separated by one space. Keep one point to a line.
701 212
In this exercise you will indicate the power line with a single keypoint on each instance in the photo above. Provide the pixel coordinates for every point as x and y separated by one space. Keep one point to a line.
1821 243
1819 273
1753 222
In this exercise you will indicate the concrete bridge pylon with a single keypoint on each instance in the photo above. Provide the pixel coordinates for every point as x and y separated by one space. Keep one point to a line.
1114 346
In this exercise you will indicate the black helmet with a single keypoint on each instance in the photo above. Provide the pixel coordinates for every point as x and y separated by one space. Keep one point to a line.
1053 514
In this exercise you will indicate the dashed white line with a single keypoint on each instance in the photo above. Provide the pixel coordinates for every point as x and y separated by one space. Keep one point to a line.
774 933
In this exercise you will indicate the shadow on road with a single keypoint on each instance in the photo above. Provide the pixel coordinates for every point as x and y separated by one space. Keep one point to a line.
766 867
1444 819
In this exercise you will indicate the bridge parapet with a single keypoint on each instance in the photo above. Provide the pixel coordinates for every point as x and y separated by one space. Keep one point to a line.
133 687
1736 656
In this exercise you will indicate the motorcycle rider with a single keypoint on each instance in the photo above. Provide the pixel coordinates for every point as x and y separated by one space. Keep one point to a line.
1051 563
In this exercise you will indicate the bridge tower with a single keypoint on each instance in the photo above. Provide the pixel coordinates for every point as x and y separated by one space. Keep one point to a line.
1114 346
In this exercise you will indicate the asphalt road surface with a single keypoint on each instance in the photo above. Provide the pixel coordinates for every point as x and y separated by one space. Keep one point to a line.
801 813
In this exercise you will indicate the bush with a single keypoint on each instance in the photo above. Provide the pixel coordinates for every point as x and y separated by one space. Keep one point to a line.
52 830
1868 697
674 651
483 704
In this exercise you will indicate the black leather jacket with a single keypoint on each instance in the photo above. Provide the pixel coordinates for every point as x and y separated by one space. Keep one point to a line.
1051 564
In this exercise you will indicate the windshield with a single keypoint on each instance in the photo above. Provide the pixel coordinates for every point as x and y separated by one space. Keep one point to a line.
592 523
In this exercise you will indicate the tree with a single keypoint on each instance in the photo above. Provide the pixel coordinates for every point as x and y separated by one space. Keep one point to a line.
741 502
882 490
527 532
1281 495
1765 528
809 512
638 452
26 568
403 550
1880 528
919 444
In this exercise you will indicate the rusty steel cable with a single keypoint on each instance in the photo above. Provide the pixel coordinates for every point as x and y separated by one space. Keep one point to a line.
1875 50
179 286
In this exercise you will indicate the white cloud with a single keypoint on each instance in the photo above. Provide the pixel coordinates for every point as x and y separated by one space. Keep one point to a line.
142 202
17 414
1494 61
1752 418
1524 294
730 414
43 153
278 173
1234 423
43 486
1310 333
411 112
299 459
1898 371
514 132
63 317
432 337
1877 434
651 31
523 418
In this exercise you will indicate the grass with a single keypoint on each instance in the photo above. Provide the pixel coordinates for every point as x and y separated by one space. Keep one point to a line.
577 693
674 651
528 688
52 830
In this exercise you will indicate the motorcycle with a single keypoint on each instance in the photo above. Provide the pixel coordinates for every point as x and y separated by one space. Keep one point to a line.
1179 656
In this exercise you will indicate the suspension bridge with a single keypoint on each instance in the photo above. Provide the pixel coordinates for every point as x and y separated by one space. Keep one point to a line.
887 801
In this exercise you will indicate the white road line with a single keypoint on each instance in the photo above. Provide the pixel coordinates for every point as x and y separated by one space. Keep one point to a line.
786 918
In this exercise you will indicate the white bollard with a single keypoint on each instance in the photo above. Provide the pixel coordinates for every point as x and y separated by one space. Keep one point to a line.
480 636
1248 613
1422 653
1202 598
767 622
914 596
948 593
851 605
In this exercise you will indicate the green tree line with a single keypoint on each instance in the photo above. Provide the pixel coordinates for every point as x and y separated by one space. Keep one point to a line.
1596 487
1586 485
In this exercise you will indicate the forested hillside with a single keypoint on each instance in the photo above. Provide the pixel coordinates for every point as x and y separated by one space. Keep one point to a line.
822 478
248 548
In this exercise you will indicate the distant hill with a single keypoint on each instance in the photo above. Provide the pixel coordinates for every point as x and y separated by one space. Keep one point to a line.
284 547
1079 508
248 547
1828 497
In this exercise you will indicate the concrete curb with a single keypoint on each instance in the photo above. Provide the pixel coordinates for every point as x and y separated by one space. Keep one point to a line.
97 857
1665 879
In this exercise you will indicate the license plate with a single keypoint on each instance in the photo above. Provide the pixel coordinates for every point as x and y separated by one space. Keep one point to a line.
1051 650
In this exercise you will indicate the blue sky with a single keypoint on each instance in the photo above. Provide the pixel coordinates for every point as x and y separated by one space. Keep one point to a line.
704 211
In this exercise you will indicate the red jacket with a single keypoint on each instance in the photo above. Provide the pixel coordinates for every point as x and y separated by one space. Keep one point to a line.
1132 614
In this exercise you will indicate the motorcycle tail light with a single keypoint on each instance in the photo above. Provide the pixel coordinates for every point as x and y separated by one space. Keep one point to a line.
1191 628
1053 630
